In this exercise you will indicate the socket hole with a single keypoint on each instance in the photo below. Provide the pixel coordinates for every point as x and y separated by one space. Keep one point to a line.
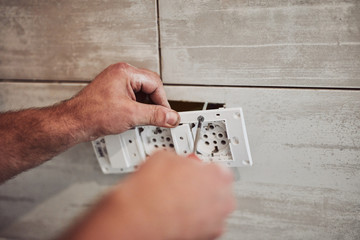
171 145
168 139
218 115
181 138
220 135
207 143
223 142
205 136
130 141
216 149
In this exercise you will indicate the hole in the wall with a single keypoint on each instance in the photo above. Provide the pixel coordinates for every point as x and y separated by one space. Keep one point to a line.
182 106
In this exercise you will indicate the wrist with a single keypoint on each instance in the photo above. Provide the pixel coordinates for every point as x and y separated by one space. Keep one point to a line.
75 121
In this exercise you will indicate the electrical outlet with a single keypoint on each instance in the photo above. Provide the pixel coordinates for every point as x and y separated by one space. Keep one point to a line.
223 139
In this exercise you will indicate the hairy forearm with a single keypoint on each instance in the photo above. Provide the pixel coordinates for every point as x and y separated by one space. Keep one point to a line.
33 136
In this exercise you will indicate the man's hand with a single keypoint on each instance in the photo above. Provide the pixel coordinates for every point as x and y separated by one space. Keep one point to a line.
170 197
108 105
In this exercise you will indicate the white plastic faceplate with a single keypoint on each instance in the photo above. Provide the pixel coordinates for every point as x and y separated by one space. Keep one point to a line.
223 139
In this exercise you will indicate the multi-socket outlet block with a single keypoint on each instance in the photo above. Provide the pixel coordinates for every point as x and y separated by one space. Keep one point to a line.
223 139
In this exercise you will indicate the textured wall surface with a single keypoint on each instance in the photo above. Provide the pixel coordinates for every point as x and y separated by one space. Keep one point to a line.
305 143
74 40
261 42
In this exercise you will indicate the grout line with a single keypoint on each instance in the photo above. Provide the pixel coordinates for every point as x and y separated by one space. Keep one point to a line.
261 86
185 85
301 44
44 81
159 36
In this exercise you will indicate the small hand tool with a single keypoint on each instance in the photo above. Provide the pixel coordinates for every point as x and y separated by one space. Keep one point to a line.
198 131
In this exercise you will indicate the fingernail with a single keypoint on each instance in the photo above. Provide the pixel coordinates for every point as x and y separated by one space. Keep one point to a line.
172 118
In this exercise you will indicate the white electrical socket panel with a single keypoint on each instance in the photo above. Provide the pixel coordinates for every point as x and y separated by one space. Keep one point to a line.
223 139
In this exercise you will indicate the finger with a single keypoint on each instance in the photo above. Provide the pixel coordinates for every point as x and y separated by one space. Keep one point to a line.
150 83
146 114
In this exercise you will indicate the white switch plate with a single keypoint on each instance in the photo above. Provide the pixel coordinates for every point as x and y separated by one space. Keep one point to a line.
223 139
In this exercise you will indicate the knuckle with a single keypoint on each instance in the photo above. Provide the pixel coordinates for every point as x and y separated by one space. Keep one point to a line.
120 66
157 116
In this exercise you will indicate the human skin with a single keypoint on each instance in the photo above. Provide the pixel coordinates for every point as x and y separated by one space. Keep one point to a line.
169 197
106 106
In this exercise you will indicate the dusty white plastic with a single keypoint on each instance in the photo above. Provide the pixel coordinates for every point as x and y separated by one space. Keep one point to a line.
223 139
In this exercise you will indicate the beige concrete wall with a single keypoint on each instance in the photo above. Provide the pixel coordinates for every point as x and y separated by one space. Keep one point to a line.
305 182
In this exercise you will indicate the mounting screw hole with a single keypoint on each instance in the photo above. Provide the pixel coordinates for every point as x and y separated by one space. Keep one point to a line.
218 115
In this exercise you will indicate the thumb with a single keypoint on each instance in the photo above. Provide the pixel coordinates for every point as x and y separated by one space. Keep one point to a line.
147 114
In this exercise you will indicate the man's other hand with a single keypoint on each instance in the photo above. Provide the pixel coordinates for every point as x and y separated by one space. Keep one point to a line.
170 197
